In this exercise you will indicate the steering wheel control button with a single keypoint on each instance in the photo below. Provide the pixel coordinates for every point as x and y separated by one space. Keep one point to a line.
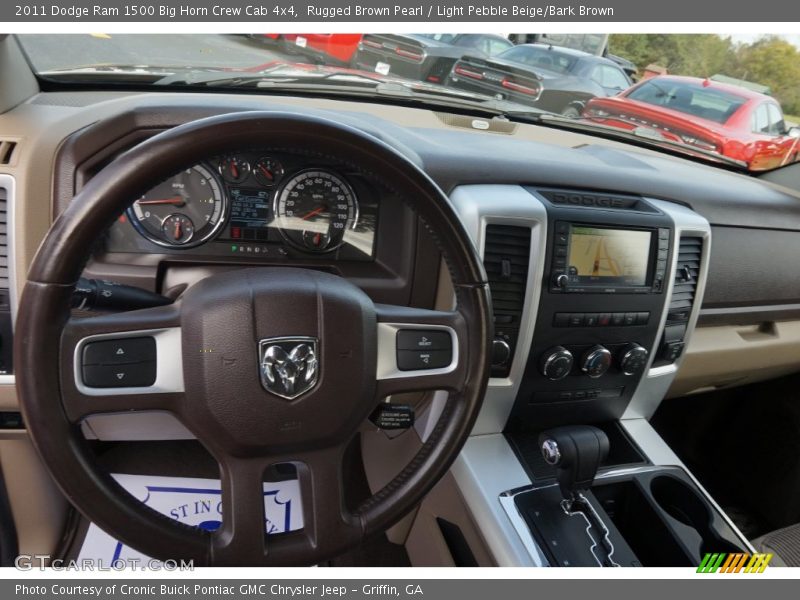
423 339
119 363
423 360
120 351
118 376
556 363
393 416
596 361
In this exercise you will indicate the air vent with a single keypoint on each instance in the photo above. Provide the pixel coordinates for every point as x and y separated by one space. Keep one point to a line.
493 125
687 270
506 256
3 239
7 151
684 288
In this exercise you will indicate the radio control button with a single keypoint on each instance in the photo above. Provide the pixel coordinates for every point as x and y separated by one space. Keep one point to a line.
562 227
576 319
630 319
663 234
561 280
561 320
561 251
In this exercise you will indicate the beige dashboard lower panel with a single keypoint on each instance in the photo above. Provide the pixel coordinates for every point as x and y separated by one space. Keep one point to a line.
38 507
728 356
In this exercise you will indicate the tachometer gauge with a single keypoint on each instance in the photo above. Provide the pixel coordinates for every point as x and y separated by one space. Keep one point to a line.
314 209
184 211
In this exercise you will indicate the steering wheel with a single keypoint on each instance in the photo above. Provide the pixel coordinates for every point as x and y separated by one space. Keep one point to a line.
209 369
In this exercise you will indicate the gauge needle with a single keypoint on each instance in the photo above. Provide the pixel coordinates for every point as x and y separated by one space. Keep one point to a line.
234 171
314 212
176 200
266 173
178 231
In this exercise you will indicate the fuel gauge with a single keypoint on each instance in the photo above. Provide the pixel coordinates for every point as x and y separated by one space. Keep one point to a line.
234 169
267 171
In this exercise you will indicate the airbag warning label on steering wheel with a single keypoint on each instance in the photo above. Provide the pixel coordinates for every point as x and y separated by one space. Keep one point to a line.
195 502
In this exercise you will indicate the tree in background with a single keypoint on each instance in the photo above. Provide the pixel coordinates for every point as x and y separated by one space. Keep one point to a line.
770 61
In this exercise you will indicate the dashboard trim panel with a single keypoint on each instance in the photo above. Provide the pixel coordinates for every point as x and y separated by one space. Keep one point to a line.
479 206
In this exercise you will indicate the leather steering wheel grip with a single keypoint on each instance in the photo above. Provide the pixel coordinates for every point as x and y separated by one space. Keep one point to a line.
41 344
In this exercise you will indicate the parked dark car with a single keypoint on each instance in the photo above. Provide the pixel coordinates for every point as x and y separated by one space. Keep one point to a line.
424 57
550 78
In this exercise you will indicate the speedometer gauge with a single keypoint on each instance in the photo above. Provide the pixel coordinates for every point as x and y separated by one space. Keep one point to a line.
183 211
314 208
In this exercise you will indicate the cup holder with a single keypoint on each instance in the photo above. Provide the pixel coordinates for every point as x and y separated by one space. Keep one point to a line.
680 502
684 504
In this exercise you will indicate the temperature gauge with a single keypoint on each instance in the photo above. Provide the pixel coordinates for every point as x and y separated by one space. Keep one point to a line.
234 169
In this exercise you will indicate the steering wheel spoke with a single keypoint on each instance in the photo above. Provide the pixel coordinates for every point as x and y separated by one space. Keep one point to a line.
328 527
420 350
120 362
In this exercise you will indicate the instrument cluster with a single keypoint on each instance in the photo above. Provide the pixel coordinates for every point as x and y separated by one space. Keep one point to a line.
254 203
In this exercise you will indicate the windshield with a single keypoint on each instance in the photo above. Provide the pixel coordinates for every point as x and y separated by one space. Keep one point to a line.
728 99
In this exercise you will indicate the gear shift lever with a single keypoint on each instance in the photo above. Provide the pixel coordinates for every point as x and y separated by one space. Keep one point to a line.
577 452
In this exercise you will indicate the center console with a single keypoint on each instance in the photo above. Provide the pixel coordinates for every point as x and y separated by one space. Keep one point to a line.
595 296
603 294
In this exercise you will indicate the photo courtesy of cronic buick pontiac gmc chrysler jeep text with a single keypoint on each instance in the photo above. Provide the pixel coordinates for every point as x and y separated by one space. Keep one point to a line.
261 311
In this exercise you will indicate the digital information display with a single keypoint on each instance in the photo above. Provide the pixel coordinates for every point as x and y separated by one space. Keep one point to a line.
608 256
250 208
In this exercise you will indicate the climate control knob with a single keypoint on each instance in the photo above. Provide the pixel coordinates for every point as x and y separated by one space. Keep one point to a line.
632 359
596 361
556 363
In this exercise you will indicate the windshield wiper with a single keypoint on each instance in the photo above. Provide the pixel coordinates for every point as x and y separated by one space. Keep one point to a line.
642 136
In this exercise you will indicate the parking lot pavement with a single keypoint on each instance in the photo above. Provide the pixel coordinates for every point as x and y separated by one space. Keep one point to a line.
48 52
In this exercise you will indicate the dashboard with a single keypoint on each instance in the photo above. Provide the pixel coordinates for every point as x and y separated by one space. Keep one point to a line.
290 206
256 203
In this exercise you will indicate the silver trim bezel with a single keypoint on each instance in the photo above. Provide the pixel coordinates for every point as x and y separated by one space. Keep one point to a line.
482 205
169 363
656 381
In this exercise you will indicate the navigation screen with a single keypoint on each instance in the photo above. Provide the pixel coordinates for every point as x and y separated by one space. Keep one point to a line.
608 256
250 208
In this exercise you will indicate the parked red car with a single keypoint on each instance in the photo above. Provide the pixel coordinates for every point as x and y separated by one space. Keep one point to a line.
732 121
330 48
